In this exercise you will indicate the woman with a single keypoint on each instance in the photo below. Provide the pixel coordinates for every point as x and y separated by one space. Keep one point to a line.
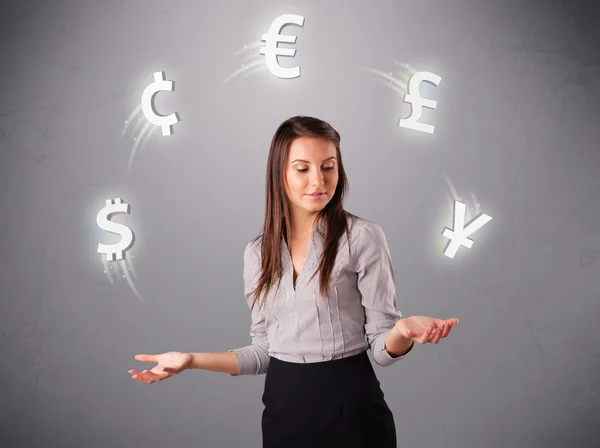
310 333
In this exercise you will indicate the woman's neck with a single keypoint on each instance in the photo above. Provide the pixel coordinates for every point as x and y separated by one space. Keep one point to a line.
302 229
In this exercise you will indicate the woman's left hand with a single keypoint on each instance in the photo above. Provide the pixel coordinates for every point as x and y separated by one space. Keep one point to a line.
425 329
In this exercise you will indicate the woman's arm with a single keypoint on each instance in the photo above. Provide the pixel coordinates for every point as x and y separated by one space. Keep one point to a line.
252 359
377 285
217 362
396 344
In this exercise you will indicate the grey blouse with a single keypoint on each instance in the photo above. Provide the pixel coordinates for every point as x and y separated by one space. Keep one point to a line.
298 325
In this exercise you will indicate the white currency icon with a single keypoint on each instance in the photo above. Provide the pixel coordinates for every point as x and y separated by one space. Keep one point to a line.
459 235
114 251
414 98
271 50
166 122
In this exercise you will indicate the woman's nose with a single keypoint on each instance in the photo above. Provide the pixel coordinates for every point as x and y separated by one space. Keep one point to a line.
317 179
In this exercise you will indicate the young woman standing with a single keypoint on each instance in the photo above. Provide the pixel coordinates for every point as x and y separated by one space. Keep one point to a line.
326 287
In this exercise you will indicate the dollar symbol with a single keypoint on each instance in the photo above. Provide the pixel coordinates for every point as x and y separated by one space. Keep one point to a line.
413 97
113 251
166 122
271 51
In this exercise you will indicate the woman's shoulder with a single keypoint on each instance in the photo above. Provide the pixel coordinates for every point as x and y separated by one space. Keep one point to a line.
367 241
252 250
361 228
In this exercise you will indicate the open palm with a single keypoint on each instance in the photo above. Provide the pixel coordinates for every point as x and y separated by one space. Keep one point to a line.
168 365
424 329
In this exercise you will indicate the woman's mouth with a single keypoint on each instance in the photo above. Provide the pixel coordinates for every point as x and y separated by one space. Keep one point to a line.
316 195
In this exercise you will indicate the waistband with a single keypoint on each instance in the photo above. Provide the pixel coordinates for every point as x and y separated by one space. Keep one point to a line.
360 360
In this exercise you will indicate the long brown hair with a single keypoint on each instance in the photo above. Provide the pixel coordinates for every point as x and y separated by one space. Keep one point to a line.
277 213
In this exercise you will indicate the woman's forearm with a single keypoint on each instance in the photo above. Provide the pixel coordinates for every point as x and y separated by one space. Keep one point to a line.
225 362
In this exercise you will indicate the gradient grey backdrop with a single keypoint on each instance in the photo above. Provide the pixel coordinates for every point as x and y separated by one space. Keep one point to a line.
516 123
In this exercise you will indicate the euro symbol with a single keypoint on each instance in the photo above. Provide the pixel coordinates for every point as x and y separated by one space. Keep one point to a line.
271 50
413 97
166 122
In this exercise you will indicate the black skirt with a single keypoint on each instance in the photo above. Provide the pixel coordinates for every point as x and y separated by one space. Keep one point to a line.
331 404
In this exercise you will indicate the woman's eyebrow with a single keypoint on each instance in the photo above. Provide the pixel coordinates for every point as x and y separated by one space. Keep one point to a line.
306 161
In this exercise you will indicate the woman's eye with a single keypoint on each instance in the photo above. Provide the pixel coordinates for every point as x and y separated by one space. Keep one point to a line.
328 168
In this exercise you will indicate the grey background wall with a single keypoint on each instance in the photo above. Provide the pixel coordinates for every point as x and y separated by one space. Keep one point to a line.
516 131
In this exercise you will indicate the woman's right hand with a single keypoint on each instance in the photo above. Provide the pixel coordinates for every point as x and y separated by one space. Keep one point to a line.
168 365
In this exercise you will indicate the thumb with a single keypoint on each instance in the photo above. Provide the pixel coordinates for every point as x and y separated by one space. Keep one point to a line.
146 358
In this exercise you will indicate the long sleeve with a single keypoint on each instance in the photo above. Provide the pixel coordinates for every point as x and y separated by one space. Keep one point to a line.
253 359
376 283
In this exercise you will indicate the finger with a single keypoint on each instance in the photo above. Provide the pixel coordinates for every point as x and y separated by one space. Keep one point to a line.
155 376
144 377
450 328
432 334
437 334
147 377
146 358
140 377
425 337
446 327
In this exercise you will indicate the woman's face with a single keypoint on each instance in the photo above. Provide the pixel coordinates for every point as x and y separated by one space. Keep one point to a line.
311 167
